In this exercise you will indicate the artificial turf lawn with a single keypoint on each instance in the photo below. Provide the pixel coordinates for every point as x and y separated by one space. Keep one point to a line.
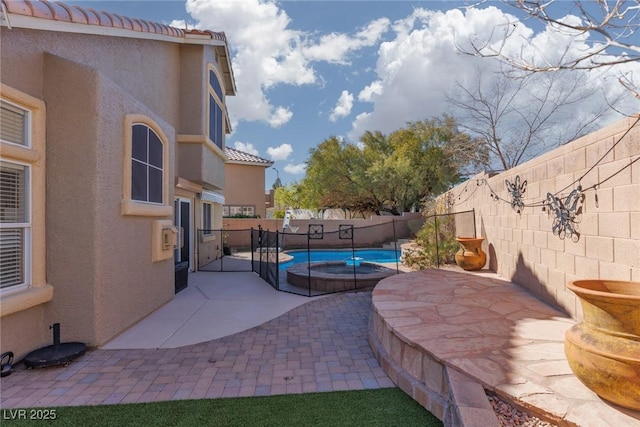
379 407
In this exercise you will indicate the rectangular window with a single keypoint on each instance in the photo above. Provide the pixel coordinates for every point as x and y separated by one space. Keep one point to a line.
206 219
238 210
14 124
14 224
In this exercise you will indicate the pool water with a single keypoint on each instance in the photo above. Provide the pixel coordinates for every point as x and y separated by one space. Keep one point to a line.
319 255
347 269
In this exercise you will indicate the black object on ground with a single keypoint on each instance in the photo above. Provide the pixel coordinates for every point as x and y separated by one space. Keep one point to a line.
56 354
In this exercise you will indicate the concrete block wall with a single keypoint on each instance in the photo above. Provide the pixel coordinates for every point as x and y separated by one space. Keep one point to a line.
368 232
522 245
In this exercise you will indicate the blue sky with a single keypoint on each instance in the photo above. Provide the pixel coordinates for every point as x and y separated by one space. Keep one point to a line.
309 70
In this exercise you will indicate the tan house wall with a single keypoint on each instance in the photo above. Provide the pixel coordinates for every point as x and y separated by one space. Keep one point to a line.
132 64
192 88
523 247
99 261
246 187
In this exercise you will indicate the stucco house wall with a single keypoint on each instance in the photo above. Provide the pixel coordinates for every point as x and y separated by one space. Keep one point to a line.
100 259
246 185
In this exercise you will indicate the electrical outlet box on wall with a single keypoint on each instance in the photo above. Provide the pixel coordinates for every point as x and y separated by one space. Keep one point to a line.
164 238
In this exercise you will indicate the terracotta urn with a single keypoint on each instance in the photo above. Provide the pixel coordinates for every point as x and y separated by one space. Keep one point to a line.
470 256
603 350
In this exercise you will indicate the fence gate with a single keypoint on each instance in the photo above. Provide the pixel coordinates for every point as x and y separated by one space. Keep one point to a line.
265 246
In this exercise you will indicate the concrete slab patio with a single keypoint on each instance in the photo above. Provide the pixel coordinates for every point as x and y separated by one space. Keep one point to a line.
214 305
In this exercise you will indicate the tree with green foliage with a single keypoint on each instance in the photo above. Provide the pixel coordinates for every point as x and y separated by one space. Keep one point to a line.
290 196
394 173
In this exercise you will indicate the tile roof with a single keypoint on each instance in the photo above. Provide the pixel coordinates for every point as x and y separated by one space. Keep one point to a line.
57 11
237 156
57 16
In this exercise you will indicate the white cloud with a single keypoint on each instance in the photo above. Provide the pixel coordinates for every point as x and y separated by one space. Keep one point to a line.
246 147
422 63
368 93
268 52
343 107
280 116
334 47
295 169
280 153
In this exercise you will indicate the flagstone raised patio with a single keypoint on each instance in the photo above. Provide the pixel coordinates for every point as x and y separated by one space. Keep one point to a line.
445 336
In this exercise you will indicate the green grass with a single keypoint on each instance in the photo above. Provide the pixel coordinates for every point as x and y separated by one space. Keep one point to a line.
380 407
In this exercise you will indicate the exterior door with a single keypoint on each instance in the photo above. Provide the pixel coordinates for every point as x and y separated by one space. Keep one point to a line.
183 223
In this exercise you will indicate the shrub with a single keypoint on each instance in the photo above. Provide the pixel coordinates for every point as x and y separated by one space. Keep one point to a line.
431 248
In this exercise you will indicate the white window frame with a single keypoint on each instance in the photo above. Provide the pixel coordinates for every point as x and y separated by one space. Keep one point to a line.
137 207
34 290
147 164
27 124
26 230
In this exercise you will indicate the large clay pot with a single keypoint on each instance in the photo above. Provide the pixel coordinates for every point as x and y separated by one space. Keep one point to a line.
603 350
470 256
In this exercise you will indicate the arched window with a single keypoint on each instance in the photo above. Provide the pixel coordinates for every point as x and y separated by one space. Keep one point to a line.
146 168
216 110
147 165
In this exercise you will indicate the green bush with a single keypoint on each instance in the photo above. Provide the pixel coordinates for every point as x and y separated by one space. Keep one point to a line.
432 250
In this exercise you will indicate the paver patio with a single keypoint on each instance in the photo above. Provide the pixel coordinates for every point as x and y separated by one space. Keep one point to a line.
319 346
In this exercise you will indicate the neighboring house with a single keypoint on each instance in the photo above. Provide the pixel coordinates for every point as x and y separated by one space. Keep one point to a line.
112 131
244 190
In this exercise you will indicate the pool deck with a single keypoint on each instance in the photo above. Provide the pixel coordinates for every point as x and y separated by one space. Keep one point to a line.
440 334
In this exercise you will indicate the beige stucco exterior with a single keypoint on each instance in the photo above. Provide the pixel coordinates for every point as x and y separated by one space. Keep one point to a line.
84 90
246 186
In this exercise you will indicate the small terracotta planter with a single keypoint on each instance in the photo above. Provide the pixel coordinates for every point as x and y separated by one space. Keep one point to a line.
603 350
470 256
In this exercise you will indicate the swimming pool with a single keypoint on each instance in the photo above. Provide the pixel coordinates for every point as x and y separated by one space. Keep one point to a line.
320 255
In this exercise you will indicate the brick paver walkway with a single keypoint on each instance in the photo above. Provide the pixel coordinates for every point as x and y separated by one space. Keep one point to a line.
319 346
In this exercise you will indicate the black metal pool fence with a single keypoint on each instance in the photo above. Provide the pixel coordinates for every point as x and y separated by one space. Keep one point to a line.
326 257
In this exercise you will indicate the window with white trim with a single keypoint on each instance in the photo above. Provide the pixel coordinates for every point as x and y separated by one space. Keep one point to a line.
230 211
216 110
14 124
147 165
23 282
15 224
206 218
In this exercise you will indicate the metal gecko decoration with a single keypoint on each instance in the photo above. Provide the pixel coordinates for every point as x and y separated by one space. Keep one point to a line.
567 214
516 190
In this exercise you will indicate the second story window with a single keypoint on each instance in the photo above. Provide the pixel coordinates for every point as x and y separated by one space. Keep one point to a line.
216 110
146 165
14 124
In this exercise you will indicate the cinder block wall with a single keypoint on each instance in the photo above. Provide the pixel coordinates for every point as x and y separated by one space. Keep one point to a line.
522 246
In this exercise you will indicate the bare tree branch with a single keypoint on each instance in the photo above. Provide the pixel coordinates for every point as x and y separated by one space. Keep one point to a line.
609 29
518 119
